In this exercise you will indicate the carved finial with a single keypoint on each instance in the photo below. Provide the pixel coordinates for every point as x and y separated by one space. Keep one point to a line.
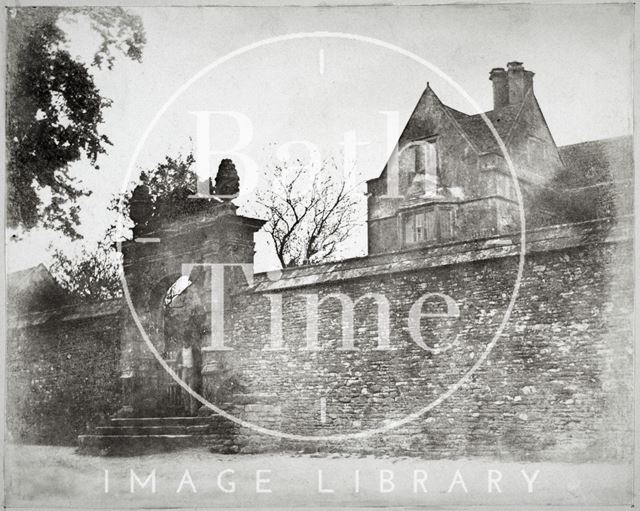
227 180
140 208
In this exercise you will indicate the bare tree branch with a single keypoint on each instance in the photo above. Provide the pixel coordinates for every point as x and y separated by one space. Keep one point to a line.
309 213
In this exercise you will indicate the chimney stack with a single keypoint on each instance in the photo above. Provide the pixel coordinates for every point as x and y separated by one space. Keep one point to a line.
510 86
500 89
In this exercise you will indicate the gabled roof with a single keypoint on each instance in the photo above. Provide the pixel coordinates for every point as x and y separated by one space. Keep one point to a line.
21 279
415 125
598 161
477 130
473 127
33 289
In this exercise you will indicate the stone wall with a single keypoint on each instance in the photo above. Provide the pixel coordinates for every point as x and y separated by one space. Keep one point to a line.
557 384
62 373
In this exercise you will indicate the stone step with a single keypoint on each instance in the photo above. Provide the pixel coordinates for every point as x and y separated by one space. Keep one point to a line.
163 421
195 429
132 436
133 445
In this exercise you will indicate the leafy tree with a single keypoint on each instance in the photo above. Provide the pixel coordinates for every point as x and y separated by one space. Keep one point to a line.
309 213
573 198
54 109
93 274
174 175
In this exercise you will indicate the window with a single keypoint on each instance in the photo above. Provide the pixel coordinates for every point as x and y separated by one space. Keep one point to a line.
409 229
420 164
419 226
430 168
447 220
431 232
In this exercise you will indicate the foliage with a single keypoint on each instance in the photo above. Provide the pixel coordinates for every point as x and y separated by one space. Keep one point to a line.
309 213
568 198
54 110
173 175
170 175
93 274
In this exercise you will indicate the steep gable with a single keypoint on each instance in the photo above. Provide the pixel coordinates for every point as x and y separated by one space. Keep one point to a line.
453 180
432 118
33 289
531 144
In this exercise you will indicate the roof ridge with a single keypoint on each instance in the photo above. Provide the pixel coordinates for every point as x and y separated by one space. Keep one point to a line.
29 269
457 111
599 140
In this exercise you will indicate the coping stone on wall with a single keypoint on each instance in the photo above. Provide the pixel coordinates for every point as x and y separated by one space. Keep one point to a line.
544 239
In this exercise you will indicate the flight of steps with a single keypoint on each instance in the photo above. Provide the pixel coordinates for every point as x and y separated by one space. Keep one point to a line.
134 436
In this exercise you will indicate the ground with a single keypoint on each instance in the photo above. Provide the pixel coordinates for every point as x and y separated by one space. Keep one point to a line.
57 477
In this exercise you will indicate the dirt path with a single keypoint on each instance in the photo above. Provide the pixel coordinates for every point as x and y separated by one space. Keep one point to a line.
56 477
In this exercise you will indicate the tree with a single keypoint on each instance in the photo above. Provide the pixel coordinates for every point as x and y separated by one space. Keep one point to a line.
54 110
572 198
174 175
93 274
309 213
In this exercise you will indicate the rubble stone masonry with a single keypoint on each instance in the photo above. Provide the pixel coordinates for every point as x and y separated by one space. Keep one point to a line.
557 384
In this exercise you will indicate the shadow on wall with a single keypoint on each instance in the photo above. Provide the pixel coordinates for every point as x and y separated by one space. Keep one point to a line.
595 182
62 382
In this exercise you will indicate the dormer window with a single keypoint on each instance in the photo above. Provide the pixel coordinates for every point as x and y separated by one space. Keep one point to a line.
420 164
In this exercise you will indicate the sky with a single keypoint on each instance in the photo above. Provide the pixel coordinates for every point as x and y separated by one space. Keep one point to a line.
302 97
